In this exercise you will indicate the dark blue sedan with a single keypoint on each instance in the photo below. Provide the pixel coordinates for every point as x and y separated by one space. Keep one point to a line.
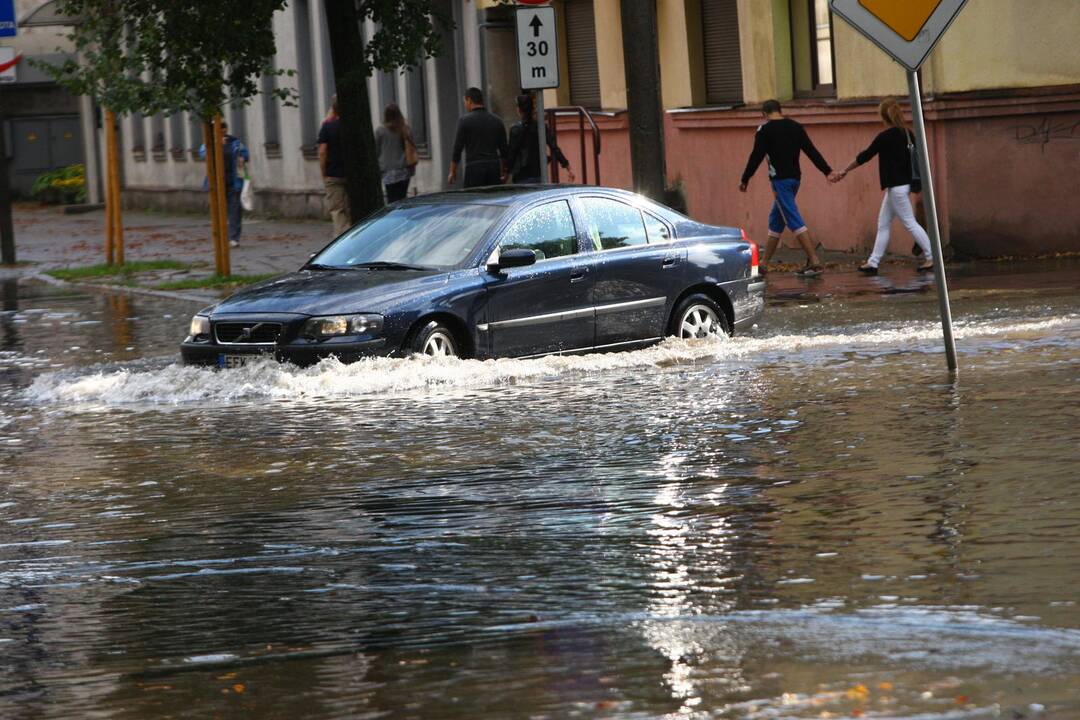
495 272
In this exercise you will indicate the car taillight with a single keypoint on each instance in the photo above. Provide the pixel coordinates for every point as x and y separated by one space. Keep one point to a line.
753 254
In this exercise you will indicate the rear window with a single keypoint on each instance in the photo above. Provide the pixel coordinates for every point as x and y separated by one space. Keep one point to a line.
438 235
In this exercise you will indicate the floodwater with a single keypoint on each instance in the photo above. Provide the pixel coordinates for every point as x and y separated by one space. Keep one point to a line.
816 521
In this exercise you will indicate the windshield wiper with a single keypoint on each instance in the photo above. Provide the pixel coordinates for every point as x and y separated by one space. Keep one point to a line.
383 265
320 266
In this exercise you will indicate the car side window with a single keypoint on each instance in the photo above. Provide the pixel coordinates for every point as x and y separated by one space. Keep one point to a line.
656 229
547 230
613 224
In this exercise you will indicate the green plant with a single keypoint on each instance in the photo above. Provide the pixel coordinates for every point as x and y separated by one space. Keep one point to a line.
64 185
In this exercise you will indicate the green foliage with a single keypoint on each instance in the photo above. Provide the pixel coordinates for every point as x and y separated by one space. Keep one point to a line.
408 32
89 272
151 56
65 185
215 281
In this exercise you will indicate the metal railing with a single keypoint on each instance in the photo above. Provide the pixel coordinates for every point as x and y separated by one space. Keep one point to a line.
583 116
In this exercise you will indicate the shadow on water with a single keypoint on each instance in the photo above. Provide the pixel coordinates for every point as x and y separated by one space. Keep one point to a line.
813 520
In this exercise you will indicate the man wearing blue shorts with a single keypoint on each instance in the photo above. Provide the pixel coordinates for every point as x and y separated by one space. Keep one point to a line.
782 139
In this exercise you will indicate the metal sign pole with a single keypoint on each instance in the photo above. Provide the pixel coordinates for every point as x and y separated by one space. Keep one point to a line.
932 217
541 136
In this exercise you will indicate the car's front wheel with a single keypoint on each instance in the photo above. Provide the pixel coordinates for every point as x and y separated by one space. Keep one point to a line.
436 340
698 316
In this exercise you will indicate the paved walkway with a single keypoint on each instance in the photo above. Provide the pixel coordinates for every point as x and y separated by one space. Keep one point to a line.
50 239
46 238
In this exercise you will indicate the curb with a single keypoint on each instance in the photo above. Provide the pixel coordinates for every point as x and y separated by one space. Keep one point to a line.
169 294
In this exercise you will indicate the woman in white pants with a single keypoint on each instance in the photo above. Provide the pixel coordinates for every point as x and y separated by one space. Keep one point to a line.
892 148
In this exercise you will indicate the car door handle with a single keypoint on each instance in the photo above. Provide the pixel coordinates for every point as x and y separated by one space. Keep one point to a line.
578 274
670 262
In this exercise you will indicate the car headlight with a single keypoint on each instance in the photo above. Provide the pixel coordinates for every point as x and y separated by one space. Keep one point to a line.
338 325
200 325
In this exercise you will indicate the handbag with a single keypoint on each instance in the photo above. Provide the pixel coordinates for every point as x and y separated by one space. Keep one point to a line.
916 170
411 156
247 194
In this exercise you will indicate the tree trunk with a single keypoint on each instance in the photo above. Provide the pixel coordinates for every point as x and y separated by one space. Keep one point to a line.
114 251
643 105
211 194
223 208
7 230
363 181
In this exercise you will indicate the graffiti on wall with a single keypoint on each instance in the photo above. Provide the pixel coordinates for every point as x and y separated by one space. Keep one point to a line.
1047 131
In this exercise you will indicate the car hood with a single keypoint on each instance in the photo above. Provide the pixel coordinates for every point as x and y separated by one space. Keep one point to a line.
329 292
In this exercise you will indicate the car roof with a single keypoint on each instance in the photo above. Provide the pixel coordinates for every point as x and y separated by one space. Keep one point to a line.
507 195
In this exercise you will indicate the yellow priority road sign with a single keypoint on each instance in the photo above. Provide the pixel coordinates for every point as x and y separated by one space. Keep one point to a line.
905 29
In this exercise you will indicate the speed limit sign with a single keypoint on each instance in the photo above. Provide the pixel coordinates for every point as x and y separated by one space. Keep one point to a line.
538 53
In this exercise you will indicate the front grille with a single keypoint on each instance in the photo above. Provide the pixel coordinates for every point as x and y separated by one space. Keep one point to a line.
247 333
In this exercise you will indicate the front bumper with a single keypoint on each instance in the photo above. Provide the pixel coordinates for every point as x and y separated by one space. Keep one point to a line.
298 352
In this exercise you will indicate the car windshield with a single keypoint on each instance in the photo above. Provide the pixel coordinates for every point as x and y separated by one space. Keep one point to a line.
418 236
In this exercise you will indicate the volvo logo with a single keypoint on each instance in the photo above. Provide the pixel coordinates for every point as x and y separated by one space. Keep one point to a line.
246 333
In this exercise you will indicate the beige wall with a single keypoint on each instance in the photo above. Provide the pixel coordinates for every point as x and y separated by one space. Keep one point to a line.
1009 43
682 62
758 51
609 54
862 69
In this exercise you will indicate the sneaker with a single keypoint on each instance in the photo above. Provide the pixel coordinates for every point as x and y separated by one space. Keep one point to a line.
868 270
929 267
809 271
234 243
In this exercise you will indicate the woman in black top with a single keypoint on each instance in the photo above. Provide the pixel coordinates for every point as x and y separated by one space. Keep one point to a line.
893 149
523 157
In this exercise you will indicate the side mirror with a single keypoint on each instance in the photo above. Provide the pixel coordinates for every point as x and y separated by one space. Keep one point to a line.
512 258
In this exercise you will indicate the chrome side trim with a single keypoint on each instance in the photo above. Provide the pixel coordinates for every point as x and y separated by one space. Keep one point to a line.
482 327
591 348
542 319
632 305
756 287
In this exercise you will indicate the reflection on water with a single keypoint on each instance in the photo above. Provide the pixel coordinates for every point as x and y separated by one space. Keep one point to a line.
812 522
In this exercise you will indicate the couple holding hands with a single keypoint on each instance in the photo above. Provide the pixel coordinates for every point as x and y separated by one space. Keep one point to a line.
781 139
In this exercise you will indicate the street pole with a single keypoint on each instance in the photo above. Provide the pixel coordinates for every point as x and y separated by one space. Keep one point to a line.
643 105
7 230
541 135
932 217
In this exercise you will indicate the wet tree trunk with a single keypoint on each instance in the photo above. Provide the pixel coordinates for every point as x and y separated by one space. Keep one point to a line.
643 104
363 181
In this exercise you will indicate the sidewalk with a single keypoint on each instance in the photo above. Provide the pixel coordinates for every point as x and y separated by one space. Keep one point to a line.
47 239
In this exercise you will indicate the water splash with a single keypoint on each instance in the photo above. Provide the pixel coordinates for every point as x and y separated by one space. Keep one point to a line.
267 379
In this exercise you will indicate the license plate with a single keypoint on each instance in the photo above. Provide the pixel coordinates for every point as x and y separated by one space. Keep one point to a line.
233 361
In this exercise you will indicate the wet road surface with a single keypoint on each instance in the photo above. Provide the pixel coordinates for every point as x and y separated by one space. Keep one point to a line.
815 521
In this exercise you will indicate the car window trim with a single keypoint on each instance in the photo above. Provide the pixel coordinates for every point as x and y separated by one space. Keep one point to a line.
530 208
601 248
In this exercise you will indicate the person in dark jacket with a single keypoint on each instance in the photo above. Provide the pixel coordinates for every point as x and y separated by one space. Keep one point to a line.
523 158
482 137
782 139
892 147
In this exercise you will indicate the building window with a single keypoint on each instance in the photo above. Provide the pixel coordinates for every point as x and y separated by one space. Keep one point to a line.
195 126
416 92
238 121
723 54
138 134
305 77
581 61
271 118
177 141
812 48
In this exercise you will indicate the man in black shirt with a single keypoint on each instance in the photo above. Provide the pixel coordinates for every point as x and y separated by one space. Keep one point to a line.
782 139
332 167
482 136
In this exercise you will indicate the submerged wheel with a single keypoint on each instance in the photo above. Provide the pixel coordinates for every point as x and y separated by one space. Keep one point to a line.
698 317
435 340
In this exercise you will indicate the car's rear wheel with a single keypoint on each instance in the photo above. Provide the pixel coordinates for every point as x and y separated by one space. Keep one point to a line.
698 316
435 340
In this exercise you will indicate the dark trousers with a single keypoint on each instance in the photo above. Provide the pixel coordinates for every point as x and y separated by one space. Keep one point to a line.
486 172
397 191
232 199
